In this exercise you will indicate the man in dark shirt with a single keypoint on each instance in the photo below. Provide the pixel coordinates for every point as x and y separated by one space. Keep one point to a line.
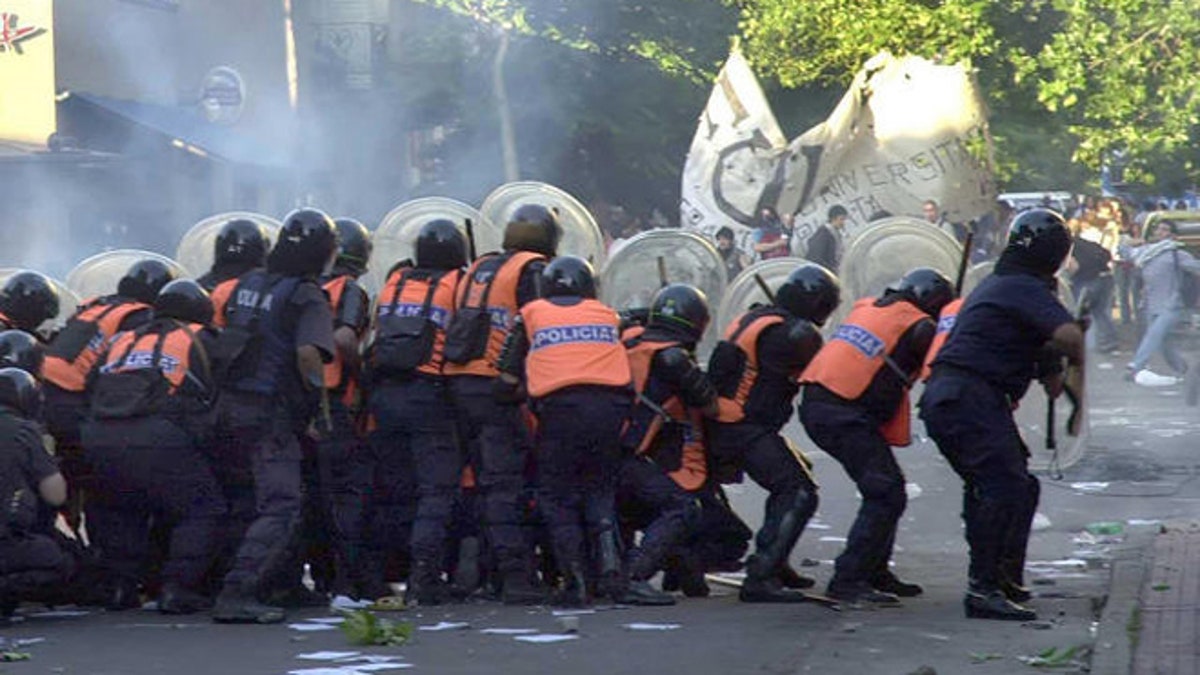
31 561
825 245
856 407
279 329
1093 278
997 347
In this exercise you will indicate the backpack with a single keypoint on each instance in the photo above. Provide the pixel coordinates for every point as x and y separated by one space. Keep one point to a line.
470 329
404 342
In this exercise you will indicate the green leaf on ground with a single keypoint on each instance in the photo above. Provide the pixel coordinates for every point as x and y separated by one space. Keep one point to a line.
365 629
1160 587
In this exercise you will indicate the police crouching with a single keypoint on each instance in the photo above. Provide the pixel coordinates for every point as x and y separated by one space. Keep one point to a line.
988 362
756 370
567 349
150 422
856 407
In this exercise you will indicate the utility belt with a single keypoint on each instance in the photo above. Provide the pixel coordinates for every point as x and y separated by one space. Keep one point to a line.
951 369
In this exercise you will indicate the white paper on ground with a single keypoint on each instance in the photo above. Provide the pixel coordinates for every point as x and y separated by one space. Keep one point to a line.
1140 521
345 602
58 614
652 626
913 490
837 540
545 638
1040 522
370 658
1089 487
310 627
331 620
445 625
572 612
508 631
372 667
327 656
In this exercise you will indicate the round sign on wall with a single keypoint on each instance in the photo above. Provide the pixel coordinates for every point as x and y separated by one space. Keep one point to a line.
223 95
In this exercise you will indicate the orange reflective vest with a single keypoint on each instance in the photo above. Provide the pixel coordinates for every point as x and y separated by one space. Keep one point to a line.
6 323
405 294
498 292
744 334
169 352
220 297
860 347
654 411
75 351
573 345
946 322
334 289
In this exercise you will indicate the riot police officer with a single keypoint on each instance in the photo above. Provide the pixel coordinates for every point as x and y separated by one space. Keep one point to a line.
336 475
150 425
76 349
756 370
279 335
566 349
31 562
27 300
19 349
412 408
665 466
992 355
856 407
240 246
494 289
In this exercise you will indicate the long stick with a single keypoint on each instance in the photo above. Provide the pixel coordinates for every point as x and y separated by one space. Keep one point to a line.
662 272
471 253
963 263
762 285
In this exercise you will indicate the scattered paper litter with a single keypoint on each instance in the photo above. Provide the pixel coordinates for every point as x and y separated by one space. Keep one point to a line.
445 625
652 626
840 540
331 620
372 667
58 614
1140 521
817 526
311 627
544 638
912 490
1040 522
370 658
346 602
327 656
508 631
1089 487
936 636
1068 562
572 612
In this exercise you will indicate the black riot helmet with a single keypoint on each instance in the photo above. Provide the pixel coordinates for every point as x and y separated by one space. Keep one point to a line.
28 299
144 280
441 246
680 309
19 349
928 288
570 276
241 244
20 392
810 292
354 247
1038 242
533 228
185 300
307 242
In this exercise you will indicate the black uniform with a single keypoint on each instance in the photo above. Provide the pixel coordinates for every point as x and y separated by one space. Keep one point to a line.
263 409
31 560
984 369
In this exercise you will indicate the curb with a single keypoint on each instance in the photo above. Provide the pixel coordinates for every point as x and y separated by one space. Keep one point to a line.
1112 653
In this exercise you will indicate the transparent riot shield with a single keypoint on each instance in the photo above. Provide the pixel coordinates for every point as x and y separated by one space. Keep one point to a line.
745 290
395 238
581 234
99 274
195 250
68 301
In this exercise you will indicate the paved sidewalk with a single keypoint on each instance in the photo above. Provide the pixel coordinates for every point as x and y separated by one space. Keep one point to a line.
1167 622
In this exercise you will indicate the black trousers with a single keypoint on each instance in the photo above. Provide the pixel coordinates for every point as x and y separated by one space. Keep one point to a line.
972 424
854 440
762 453
498 447
259 463
33 567
648 500
578 455
148 470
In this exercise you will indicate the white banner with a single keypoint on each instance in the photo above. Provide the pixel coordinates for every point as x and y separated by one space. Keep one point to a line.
898 137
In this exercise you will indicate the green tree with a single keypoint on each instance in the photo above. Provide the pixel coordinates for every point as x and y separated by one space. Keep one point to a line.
1089 77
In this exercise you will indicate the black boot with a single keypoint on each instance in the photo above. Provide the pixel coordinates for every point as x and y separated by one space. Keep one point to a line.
176 599
990 603
642 594
790 578
425 586
860 594
519 590
122 595
762 583
888 583
574 590
237 604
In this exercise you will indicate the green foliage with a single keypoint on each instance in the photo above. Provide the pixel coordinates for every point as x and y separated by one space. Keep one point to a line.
363 628
1109 75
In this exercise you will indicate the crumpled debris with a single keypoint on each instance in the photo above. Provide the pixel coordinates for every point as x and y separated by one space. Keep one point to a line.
652 626
912 490
1040 522
1058 657
1090 486
543 638
983 657
9 657
445 625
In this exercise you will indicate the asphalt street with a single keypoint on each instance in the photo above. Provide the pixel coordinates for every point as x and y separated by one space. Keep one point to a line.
1138 470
